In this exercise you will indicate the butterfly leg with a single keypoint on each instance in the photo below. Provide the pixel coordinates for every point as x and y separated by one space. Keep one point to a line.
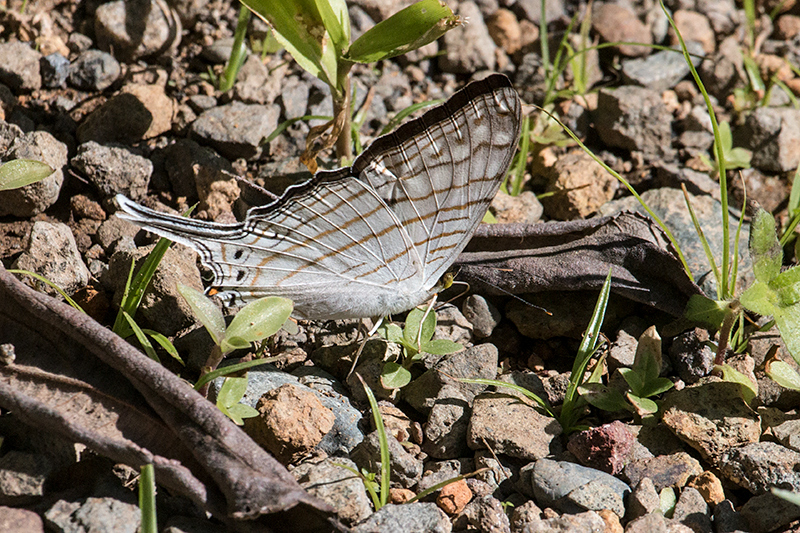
367 336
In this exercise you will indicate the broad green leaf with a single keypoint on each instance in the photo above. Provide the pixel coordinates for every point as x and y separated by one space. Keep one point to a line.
604 397
336 20
725 137
406 30
643 406
205 310
787 287
232 391
290 326
739 158
634 379
749 389
667 500
788 322
240 411
256 321
298 25
706 311
21 172
441 347
411 333
764 247
656 386
783 374
391 332
647 362
395 376
760 298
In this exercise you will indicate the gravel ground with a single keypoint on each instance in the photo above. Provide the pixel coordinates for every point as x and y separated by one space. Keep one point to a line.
120 102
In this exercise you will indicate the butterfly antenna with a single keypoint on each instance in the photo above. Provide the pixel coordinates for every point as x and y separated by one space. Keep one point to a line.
507 293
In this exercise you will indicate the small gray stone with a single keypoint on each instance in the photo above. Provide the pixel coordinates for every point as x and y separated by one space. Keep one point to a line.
482 315
256 84
656 523
294 97
692 510
54 69
711 417
643 500
468 48
497 421
691 356
767 512
555 483
773 135
761 465
94 70
664 470
436 472
636 119
236 129
618 23
476 362
408 518
19 66
112 230
110 508
406 469
337 486
23 477
218 52
448 420
52 252
120 26
662 70
114 170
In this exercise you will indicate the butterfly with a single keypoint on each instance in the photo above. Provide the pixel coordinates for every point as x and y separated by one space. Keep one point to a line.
372 239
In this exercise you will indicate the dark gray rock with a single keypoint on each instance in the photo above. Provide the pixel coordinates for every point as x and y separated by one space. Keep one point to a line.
337 486
573 488
643 500
727 519
236 130
475 362
23 477
664 471
773 135
636 119
406 469
113 170
761 465
110 508
94 70
294 97
690 356
407 518
122 27
767 512
662 70
54 69
256 83
692 511
19 66
52 253
481 314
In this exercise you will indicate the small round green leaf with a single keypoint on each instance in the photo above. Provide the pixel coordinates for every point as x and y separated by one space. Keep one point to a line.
256 321
21 172
395 376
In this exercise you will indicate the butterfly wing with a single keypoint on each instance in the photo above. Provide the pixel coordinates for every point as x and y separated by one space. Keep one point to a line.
440 172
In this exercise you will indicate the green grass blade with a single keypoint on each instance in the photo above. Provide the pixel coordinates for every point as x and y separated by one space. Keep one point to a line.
286 123
232 369
46 281
147 498
238 51
403 113
165 343
516 174
703 240
528 394
384 443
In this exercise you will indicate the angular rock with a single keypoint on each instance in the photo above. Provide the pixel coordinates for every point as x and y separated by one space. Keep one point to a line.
468 48
761 465
662 70
236 130
606 448
52 253
695 27
19 519
690 356
656 523
692 511
19 66
54 69
114 170
120 26
643 500
23 477
636 119
137 112
256 84
448 422
337 486
580 185
94 70
773 135
664 471
408 518
767 512
617 23
711 418
573 488
481 314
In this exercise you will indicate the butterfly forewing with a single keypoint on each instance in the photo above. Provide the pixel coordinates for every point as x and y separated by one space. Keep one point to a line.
375 238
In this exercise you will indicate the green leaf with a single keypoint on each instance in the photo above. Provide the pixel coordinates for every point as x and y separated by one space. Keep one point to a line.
205 310
787 495
788 323
406 30
441 347
503 385
256 321
725 137
760 298
604 397
706 311
391 332
634 379
165 343
764 247
411 333
647 362
787 286
656 386
232 391
783 374
141 337
241 411
643 406
667 500
299 26
147 499
336 20
384 444
739 158
21 172
749 389
395 376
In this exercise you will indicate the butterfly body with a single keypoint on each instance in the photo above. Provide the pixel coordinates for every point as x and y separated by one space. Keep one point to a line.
372 239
